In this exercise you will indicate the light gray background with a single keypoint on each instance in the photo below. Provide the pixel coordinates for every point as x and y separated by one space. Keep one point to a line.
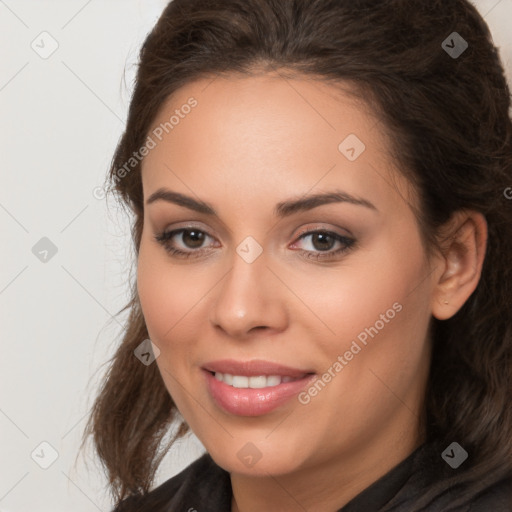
60 119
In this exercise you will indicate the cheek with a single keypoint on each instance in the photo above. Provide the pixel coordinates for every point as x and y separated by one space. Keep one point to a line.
174 302
166 290
345 301
162 292
378 310
157 306
383 323
166 298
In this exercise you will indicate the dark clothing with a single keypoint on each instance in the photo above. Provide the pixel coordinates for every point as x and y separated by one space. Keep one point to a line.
414 484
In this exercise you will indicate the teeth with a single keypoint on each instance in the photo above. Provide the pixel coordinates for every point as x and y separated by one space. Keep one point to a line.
273 380
258 382
239 381
255 382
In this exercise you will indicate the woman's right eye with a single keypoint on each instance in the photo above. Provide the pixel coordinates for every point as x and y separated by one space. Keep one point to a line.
191 238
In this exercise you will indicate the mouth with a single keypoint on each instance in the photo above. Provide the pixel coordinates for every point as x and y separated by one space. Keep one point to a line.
253 388
254 382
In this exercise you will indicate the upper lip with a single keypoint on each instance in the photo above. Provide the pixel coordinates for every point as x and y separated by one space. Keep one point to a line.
254 368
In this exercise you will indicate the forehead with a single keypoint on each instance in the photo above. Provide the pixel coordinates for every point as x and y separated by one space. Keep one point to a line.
270 135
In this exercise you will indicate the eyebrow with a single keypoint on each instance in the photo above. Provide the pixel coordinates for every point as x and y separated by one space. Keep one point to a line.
283 209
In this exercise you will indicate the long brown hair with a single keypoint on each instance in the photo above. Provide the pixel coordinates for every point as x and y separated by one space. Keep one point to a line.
448 119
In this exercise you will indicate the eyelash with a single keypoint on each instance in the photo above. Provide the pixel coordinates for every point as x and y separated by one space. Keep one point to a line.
165 237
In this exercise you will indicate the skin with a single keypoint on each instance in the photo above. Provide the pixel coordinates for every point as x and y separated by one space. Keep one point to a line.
250 143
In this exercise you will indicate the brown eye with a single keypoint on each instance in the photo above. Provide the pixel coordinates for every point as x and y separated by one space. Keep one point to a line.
322 241
189 244
192 238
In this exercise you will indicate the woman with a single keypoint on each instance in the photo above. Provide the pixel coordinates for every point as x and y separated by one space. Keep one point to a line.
323 238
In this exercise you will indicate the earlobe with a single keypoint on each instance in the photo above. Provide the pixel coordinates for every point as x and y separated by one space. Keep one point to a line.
461 262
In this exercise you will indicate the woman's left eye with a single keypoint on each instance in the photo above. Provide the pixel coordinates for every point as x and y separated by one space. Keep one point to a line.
324 241
192 239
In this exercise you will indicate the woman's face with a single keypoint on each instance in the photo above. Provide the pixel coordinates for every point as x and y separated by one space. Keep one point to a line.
331 297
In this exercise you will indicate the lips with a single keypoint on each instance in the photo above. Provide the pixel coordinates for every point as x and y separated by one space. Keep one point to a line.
254 368
253 388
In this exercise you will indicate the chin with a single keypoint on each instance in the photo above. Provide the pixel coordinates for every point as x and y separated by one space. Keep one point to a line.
247 459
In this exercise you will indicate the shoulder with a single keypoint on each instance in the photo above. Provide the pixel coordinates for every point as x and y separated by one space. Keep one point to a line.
202 485
434 487
496 498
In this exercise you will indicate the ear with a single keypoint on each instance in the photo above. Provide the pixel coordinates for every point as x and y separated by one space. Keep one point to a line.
463 242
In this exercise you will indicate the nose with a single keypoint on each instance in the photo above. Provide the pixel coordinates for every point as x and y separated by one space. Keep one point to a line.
249 299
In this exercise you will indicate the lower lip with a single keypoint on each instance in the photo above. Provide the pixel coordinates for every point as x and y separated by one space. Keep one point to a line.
253 402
